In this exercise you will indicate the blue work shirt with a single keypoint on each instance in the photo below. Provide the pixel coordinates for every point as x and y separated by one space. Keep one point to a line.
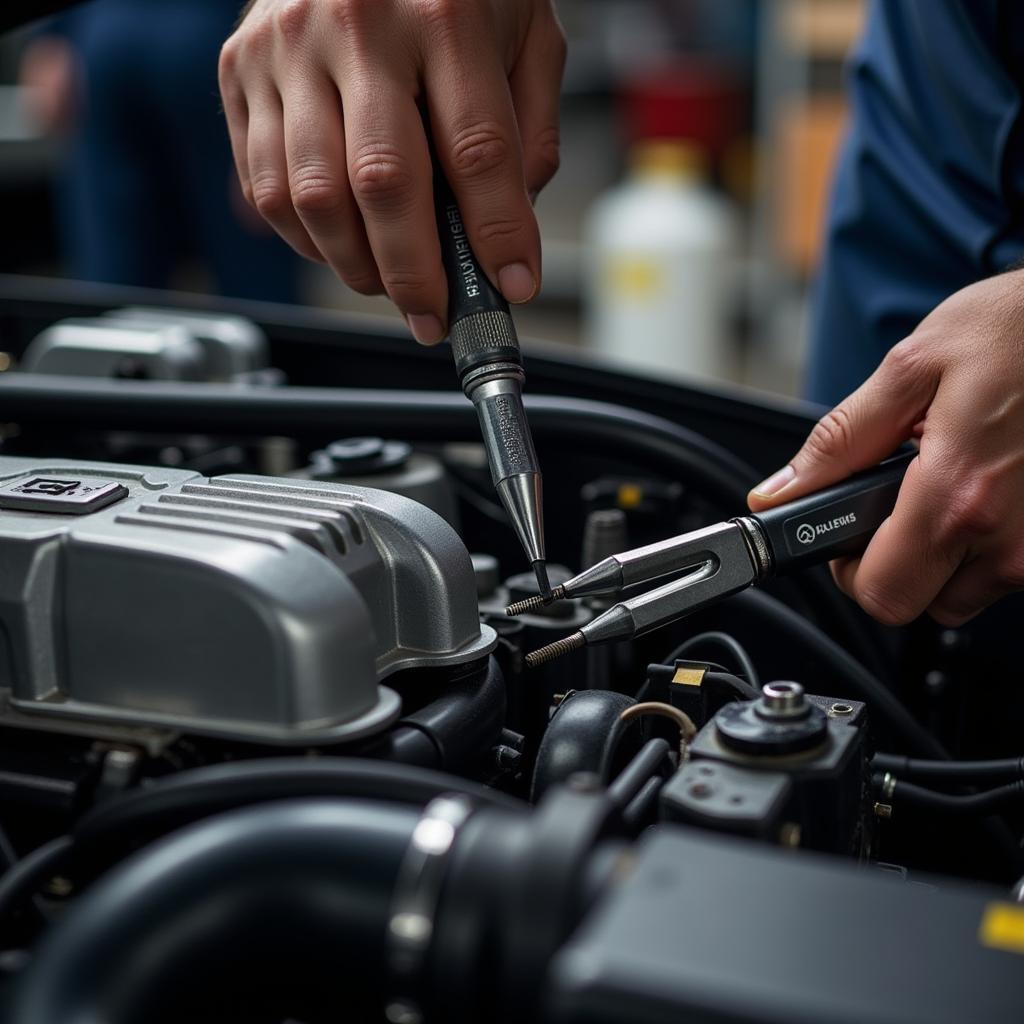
929 189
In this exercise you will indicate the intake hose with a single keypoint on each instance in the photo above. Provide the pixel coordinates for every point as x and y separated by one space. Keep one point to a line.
262 914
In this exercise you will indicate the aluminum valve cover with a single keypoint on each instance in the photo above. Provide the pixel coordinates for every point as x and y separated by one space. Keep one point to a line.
246 607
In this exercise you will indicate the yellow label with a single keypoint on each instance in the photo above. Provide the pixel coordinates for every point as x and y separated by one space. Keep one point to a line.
634 278
1002 927
630 496
688 676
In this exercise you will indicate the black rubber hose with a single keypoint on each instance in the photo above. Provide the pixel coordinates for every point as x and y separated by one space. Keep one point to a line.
648 442
585 734
954 773
103 834
991 801
723 642
635 776
849 673
20 882
261 914
465 722
640 811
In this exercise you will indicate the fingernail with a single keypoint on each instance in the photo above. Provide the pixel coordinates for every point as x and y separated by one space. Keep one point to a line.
426 328
517 283
770 487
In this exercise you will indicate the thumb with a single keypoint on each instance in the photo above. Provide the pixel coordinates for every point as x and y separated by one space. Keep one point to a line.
859 432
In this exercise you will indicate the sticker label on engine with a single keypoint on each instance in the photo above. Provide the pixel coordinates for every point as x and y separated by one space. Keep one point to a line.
1002 927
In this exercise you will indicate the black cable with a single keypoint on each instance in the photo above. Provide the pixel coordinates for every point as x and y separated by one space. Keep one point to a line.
632 779
724 642
849 673
640 809
646 441
966 773
176 800
21 881
991 801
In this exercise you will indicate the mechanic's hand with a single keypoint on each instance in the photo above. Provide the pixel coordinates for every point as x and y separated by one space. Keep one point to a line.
955 541
322 102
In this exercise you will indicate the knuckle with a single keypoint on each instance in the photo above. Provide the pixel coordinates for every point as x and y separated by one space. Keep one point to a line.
293 18
495 232
832 435
269 197
440 13
910 360
353 15
380 178
405 283
227 63
315 193
365 282
973 510
479 150
548 152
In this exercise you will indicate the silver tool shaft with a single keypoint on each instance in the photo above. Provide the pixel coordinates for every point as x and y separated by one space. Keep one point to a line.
487 358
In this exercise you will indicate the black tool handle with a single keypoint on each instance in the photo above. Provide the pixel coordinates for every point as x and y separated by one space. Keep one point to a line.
481 328
839 520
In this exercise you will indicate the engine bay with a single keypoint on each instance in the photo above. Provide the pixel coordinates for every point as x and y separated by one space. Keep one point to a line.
270 749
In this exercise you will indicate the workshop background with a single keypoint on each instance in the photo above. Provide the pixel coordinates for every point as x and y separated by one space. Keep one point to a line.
681 236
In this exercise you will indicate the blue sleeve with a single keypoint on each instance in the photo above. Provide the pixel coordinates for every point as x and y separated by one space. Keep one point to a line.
927 181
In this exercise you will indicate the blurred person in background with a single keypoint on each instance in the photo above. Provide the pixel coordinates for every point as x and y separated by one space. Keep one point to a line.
324 99
147 179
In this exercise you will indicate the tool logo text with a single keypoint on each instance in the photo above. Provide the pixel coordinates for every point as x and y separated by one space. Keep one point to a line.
808 533
467 265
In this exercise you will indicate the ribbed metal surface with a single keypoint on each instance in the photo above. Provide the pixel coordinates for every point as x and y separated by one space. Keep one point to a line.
327 524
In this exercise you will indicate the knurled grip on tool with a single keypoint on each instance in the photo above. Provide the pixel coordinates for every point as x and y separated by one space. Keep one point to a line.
482 331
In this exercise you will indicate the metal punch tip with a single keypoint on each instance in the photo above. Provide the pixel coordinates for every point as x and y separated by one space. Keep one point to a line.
571 643
535 603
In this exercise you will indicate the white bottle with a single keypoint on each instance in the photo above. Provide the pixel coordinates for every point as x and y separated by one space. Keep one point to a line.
659 263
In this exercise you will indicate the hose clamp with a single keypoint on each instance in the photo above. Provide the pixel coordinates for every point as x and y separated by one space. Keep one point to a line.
415 899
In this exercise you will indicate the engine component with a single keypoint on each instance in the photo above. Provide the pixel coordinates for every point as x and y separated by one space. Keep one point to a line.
144 343
711 928
586 734
389 465
242 607
787 767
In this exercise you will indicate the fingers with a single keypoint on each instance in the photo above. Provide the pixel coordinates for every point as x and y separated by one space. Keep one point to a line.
477 142
390 173
318 180
536 83
910 559
860 431
268 173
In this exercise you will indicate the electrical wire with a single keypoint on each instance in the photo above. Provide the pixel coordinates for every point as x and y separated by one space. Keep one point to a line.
991 801
687 730
724 642
966 773
849 673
